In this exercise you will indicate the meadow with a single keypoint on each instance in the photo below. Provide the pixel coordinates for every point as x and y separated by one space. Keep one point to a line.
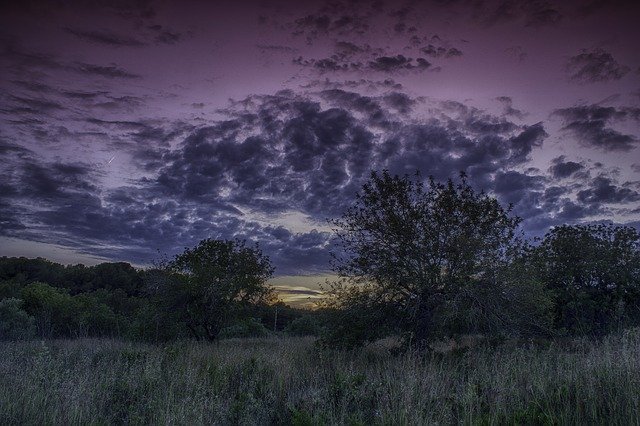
289 380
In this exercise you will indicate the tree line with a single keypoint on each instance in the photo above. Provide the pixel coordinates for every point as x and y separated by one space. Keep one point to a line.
43 299
415 258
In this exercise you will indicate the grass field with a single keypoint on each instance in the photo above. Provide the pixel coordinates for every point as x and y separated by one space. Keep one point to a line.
286 380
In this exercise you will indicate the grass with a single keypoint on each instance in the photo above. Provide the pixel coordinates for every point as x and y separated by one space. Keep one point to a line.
285 380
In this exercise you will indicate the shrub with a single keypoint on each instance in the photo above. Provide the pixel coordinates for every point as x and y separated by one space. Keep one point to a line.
15 323
306 325
245 328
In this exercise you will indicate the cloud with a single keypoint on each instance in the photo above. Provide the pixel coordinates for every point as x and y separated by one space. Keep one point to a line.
591 125
276 48
509 110
562 169
349 56
398 62
23 63
270 156
535 13
337 21
105 38
541 13
604 190
595 66
363 84
38 106
109 71
164 35
440 52
512 186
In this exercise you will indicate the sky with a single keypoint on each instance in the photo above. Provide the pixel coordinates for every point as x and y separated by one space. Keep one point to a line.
130 130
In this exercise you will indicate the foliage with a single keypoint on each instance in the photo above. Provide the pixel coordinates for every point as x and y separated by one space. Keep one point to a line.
75 278
53 309
248 327
306 325
425 261
594 272
15 323
214 284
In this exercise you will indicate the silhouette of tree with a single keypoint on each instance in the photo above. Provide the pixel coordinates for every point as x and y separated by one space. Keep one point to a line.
427 260
215 283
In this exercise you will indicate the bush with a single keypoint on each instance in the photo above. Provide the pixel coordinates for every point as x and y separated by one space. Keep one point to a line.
245 328
306 325
594 272
15 324
54 310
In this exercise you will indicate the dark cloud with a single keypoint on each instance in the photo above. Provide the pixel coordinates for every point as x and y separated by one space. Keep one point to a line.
385 64
132 223
536 13
541 13
38 106
595 66
512 186
22 63
163 35
591 125
363 83
33 86
400 102
56 180
603 189
276 48
287 153
109 71
475 120
592 7
561 169
141 133
522 144
269 156
440 52
335 18
349 56
105 38
9 148
509 110
397 63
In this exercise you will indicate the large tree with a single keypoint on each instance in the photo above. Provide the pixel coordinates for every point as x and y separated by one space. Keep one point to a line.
594 273
428 259
212 285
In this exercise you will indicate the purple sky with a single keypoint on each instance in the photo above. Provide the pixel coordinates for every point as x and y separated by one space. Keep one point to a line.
130 129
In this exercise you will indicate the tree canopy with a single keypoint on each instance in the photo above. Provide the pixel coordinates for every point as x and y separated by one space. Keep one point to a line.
215 282
424 259
594 273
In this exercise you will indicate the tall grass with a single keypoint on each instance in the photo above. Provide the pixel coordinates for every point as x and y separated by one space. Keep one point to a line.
287 381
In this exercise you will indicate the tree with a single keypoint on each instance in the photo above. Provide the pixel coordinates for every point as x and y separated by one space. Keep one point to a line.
426 261
215 283
594 272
